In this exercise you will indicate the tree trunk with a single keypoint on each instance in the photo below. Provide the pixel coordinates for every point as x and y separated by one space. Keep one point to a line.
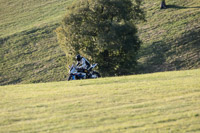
163 4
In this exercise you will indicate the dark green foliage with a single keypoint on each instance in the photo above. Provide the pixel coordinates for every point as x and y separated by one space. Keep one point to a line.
104 32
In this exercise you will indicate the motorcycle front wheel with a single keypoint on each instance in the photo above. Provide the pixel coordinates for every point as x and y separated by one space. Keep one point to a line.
69 78
96 75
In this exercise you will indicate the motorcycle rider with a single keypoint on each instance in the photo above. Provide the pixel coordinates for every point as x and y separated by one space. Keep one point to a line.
82 64
83 70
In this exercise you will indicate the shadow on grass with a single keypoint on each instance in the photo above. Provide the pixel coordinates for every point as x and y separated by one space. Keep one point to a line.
180 7
181 53
186 51
155 56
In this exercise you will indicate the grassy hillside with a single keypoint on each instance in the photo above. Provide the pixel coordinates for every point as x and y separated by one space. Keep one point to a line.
160 102
171 39
29 51
21 15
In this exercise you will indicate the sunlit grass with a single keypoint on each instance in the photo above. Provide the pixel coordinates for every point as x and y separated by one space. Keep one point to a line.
19 15
160 102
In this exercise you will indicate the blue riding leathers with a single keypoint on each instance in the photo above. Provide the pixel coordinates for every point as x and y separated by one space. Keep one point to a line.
83 64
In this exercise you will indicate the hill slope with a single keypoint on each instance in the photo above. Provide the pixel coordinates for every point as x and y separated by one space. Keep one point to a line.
160 102
171 39
29 51
20 15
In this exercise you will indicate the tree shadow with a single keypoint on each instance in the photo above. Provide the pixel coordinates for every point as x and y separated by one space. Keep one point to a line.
185 51
155 56
180 54
180 7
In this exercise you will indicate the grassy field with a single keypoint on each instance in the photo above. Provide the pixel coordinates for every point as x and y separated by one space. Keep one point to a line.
30 53
160 102
19 15
171 39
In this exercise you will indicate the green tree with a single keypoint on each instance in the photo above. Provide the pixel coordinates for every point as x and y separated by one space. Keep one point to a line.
104 31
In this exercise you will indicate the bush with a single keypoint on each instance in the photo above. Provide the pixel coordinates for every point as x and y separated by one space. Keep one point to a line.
103 31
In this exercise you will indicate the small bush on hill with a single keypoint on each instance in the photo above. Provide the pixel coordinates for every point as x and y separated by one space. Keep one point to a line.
103 31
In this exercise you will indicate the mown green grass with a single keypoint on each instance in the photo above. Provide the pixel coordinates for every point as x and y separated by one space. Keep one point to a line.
170 37
19 15
32 56
29 51
160 102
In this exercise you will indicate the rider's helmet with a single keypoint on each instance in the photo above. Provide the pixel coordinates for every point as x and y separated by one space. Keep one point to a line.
78 57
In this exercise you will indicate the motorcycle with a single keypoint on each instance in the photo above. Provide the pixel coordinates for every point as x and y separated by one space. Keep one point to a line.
74 74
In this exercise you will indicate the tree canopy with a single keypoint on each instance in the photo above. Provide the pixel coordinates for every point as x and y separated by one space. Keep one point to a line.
103 31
